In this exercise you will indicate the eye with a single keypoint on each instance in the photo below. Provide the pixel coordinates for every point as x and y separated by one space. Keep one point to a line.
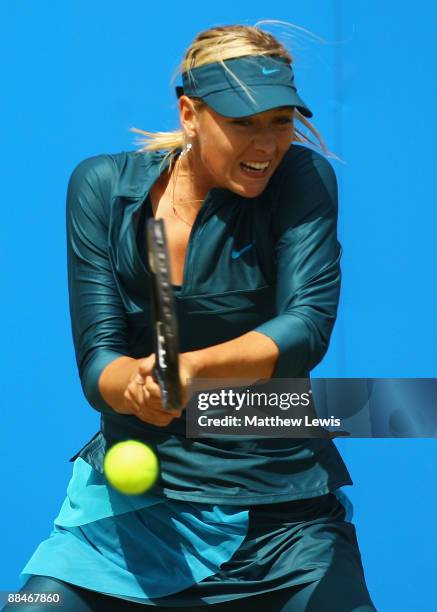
283 120
242 122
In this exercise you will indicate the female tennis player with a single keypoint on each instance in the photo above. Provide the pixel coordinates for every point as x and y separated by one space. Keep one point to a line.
250 217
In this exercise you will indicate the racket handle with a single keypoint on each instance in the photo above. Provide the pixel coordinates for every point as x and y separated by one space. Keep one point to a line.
157 377
155 374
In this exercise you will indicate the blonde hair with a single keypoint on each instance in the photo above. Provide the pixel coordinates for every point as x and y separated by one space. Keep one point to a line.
216 45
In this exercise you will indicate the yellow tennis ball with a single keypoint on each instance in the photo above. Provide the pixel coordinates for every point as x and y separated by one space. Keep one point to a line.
131 467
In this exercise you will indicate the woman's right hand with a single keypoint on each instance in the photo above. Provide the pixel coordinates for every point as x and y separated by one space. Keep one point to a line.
142 396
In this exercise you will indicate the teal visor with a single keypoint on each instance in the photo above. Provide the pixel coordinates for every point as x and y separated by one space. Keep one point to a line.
269 81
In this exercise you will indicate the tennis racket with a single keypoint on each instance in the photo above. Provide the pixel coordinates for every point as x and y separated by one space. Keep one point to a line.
166 338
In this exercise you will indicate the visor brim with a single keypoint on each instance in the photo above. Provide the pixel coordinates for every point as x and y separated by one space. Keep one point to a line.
236 103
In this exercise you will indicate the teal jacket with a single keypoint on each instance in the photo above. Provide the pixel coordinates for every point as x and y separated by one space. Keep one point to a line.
270 264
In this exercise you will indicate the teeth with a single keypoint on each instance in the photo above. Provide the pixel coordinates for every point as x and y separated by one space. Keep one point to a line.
256 165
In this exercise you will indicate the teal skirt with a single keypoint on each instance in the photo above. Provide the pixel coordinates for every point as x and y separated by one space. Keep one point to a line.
165 552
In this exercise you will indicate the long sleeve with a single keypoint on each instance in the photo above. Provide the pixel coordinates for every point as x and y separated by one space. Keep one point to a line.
308 264
96 310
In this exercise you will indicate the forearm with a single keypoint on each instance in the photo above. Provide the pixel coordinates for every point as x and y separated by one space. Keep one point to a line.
250 356
114 380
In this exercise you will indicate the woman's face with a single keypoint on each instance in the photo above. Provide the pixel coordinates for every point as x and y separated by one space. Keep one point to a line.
237 154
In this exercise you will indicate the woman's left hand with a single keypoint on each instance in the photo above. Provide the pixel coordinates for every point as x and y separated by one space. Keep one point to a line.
187 370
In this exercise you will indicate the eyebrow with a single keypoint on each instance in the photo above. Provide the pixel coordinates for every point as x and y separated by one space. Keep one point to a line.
276 110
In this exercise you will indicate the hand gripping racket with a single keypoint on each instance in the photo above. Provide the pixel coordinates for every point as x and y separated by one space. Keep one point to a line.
166 338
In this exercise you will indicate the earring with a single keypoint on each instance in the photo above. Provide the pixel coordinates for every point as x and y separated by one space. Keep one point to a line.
187 148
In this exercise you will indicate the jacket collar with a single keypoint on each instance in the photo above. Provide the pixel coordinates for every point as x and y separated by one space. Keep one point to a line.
138 172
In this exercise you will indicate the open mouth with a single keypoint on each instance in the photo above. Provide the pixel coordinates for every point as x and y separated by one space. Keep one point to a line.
255 168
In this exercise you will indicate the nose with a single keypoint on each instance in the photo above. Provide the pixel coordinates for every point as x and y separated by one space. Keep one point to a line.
265 142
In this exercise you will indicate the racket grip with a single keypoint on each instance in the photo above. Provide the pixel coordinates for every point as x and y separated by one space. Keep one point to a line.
158 377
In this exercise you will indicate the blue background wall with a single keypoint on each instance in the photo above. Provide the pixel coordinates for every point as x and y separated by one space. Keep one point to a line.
77 76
